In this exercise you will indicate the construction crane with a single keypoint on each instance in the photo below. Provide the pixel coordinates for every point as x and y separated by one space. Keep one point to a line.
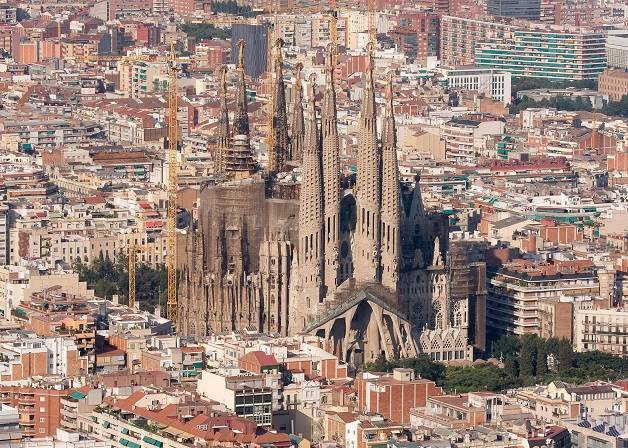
372 24
132 250
173 166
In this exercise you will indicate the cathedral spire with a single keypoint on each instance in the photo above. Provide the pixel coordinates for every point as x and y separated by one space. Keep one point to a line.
237 159
368 187
331 176
223 124
297 133
278 153
391 199
311 212
241 119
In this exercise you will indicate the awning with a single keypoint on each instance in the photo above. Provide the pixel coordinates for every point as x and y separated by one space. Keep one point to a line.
152 441
125 431
77 395
124 442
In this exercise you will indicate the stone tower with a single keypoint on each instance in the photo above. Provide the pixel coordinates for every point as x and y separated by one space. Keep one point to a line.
237 158
241 119
331 178
391 198
278 152
366 253
223 124
311 226
297 133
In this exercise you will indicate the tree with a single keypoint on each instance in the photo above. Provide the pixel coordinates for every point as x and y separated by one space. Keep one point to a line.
205 31
541 360
424 367
527 356
232 7
506 346
618 108
565 356
511 366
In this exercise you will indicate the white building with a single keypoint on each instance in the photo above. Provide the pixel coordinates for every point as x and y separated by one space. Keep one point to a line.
465 139
65 439
617 49
241 391
493 83
603 330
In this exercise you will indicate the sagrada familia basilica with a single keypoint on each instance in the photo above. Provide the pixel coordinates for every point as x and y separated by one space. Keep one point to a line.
355 259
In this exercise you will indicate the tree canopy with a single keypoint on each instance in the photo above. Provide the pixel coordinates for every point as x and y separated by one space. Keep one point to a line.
232 7
526 361
205 31
619 108
558 102
108 278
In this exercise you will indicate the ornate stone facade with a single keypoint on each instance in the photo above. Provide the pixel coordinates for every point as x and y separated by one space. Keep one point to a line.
362 266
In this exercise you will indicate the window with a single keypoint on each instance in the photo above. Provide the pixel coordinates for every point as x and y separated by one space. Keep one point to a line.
42 419
42 409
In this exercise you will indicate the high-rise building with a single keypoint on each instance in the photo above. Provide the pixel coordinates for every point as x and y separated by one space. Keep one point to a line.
522 9
552 53
617 49
418 34
460 36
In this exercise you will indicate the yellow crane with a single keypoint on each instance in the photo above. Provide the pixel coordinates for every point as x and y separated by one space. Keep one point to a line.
132 250
173 166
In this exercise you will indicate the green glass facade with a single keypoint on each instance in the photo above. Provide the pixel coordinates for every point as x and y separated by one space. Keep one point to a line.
550 55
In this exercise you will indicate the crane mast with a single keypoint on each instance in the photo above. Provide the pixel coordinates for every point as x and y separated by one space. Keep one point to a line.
173 138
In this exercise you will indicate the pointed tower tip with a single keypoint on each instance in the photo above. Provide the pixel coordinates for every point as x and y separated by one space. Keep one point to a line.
298 69
370 66
329 58
311 91
241 45
389 92
223 78
278 54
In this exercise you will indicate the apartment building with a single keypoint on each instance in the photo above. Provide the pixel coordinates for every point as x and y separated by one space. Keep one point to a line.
240 391
456 411
10 432
551 53
8 14
494 84
393 395
516 290
614 82
465 138
39 408
138 78
459 38
605 330
417 34
617 49
52 133
161 420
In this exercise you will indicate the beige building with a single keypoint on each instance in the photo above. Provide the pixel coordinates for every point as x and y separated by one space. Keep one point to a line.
605 330
614 83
